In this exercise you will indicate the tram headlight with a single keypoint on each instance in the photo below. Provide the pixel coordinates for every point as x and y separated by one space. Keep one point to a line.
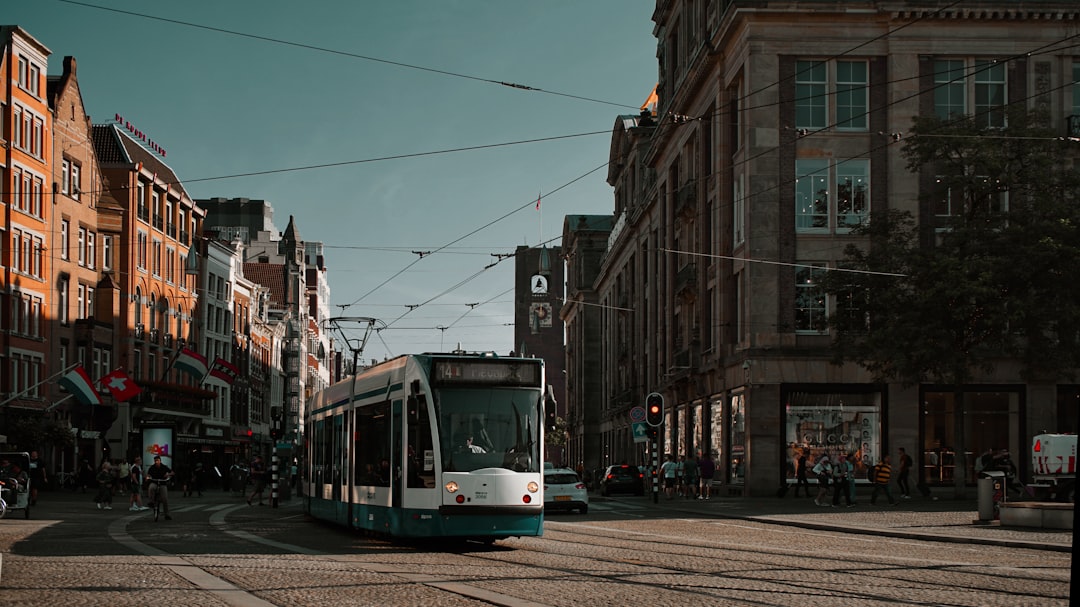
452 487
533 487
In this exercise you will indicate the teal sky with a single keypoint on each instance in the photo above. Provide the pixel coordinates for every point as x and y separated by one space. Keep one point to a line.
235 87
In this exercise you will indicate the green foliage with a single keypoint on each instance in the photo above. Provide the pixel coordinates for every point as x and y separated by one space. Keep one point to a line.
995 278
558 437
29 430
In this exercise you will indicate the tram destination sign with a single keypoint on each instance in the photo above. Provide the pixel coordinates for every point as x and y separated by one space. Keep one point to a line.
508 373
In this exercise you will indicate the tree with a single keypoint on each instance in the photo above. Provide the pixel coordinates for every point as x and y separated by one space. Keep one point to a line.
989 273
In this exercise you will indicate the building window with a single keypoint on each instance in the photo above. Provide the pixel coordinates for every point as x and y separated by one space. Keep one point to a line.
65 238
140 260
738 210
811 84
91 250
140 202
82 246
106 252
849 91
818 423
62 287
958 80
815 189
811 309
156 260
76 181
811 195
80 302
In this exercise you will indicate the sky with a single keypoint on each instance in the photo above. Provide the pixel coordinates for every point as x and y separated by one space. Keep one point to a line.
381 127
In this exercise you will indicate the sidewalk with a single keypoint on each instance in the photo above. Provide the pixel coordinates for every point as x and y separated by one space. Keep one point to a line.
936 519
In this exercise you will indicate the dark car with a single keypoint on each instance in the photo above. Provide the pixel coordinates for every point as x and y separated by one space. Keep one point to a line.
622 479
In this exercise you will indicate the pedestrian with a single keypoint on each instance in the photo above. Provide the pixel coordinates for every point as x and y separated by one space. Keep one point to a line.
124 473
87 475
135 482
37 476
679 488
667 470
800 474
707 470
258 477
881 476
902 474
851 459
840 483
690 477
823 470
105 481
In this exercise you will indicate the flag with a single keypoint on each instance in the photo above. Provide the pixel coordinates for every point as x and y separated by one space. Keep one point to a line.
77 382
538 197
122 387
224 370
192 363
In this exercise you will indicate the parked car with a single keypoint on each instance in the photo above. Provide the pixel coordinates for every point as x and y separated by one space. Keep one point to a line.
564 490
622 478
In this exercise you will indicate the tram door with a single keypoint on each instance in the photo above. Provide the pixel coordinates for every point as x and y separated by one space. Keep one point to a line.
396 455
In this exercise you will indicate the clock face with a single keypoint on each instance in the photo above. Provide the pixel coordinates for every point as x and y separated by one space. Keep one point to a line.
539 284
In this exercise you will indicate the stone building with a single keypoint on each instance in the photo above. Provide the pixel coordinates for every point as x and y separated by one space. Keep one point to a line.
777 128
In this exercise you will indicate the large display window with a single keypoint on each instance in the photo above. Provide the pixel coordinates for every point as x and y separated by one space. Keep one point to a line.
835 423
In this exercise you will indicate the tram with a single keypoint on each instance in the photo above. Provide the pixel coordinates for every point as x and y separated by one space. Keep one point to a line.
430 446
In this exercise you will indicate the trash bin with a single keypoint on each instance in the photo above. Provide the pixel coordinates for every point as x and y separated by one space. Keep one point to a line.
991 486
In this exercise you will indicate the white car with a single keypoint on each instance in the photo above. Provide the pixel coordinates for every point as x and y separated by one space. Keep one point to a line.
564 490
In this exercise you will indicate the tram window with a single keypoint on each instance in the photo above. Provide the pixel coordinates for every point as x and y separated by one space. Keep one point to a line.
420 464
371 445
483 428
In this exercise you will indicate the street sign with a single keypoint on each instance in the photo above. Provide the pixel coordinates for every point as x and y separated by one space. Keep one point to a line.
637 414
641 432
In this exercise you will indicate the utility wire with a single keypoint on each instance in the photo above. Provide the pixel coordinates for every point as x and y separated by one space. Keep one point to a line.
311 47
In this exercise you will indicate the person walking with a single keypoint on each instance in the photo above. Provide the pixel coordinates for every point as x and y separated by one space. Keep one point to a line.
823 470
258 477
38 477
667 470
690 477
840 483
800 474
707 469
881 476
902 474
105 486
851 459
135 482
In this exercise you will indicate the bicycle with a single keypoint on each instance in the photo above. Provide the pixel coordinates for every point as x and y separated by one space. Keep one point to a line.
67 480
155 496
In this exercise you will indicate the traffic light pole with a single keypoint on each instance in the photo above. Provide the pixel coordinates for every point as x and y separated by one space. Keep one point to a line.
655 468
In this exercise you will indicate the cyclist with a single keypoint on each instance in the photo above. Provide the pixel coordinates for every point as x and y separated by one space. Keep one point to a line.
159 475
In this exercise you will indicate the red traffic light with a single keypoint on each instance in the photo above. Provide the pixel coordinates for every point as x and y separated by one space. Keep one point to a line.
654 409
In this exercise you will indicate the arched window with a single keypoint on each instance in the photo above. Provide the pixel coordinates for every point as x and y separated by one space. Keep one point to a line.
138 307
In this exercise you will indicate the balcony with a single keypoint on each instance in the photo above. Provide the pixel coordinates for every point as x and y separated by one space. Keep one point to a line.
144 213
167 340
170 229
154 335
686 281
139 330
159 223
686 200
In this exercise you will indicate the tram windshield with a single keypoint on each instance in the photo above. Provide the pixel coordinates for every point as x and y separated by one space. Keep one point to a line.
489 428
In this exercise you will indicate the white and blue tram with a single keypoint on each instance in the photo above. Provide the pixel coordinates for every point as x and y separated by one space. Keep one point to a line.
431 445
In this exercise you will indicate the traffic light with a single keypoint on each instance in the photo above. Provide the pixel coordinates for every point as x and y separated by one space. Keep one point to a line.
654 409
275 432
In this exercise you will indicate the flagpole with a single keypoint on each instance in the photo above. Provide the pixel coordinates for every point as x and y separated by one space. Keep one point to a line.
540 225
57 403
44 381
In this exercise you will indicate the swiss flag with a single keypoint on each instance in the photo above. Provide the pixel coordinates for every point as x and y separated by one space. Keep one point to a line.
121 386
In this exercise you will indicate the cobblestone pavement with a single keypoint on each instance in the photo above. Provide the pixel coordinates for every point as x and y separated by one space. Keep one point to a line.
112 575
